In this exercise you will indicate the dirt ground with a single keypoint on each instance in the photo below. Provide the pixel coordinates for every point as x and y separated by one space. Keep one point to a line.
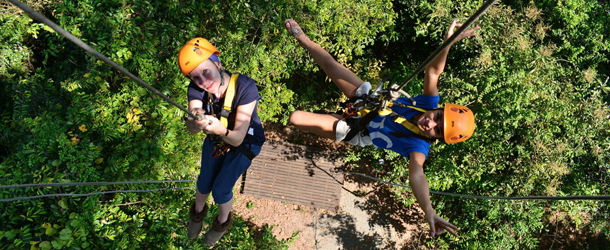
365 222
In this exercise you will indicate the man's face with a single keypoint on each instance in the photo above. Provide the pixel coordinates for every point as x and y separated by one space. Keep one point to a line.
432 123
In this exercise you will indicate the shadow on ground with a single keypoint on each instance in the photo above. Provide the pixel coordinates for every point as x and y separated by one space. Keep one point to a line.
386 218
346 233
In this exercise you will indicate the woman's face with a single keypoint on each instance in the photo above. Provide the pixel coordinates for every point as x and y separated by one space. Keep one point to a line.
207 76
432 123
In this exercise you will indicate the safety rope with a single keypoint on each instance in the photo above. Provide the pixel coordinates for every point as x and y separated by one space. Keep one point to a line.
447 43
34 14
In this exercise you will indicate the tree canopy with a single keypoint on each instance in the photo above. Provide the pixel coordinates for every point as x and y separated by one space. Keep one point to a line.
536 77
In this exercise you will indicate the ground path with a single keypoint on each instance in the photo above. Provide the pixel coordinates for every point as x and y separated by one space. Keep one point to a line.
361 222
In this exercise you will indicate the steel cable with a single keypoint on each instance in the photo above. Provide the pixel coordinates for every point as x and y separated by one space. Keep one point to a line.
35 15
589 197
449 41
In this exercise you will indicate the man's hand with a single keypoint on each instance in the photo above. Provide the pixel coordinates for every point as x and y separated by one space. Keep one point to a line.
467 33
438 225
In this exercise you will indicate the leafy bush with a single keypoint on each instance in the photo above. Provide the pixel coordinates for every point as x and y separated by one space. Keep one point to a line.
535 76
68 117
542 122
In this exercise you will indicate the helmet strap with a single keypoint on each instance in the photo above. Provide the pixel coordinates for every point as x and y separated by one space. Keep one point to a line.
222 75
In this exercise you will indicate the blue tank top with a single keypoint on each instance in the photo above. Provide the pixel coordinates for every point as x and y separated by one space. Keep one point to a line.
382 128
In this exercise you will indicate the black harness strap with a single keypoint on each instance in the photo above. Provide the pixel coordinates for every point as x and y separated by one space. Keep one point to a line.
360 125
246 151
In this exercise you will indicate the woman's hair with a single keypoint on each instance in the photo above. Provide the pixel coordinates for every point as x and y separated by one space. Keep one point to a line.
214 58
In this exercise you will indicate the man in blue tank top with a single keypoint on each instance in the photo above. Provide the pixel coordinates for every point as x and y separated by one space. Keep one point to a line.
410 137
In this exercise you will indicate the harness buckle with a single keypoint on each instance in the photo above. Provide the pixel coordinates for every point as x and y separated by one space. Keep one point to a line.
224 113
349 111
220 150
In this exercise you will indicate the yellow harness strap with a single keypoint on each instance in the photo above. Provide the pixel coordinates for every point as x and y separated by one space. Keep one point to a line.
398 119
224 113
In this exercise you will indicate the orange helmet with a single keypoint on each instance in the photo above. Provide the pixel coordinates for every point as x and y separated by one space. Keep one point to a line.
459 123
194 52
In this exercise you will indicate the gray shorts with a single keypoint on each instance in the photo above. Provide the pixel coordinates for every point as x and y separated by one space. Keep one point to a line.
342 128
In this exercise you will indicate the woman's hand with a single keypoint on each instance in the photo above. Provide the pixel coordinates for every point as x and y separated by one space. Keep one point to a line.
438 225
196 125
467 33
214 126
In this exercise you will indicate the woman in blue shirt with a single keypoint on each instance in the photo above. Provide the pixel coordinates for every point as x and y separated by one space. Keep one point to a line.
454 123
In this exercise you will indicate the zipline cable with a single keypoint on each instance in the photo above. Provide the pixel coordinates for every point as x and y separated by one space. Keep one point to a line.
103 183
90 194
34 14
98 184
590 197
449 41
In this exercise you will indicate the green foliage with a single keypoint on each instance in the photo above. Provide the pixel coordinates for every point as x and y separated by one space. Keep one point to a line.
542 116
536 77
68 117
579 28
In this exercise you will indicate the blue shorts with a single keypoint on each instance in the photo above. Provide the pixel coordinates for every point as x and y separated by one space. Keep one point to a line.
218 175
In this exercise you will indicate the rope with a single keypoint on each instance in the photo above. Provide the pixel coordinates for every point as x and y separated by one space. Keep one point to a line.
98 184
449 41
89 183
593 197
590 197
35 15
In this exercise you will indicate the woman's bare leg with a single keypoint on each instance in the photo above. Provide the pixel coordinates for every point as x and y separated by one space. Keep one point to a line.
200 200
345 80
223 211
320 124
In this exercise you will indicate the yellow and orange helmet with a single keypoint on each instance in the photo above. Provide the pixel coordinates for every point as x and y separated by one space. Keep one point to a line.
194 52
459 123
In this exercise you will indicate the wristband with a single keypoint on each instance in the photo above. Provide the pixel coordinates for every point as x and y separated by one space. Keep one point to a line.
227 133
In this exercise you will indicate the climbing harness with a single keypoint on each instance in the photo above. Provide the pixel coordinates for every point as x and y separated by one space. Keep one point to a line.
220 147
227 120
360 111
